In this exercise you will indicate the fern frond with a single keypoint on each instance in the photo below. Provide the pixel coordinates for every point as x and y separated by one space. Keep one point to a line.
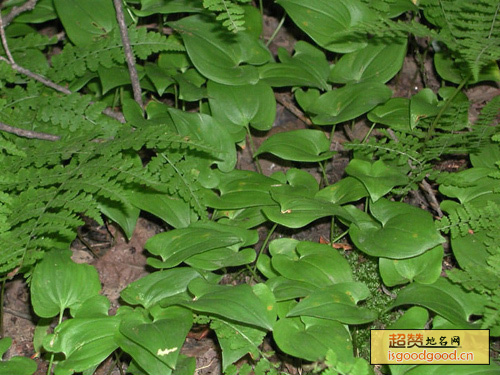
74 61
228 12
471 30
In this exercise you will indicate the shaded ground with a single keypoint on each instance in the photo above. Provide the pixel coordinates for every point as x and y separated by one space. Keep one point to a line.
120 262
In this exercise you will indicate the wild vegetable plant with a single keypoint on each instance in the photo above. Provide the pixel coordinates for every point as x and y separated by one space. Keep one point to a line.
141 105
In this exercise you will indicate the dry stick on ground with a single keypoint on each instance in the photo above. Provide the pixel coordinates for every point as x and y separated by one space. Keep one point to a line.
129 55
10 60
28 133
431 197
285 101
29 5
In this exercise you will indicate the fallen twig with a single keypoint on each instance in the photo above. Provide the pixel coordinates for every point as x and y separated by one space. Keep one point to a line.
28 133
16 11
129 55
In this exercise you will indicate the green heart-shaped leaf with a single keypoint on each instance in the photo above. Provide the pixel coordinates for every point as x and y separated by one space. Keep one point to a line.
59 283
238 303
320 335
305 145
424 268
85 342
348 102
219 54
328 22
243 105
370 63
337 302
378 178
396 231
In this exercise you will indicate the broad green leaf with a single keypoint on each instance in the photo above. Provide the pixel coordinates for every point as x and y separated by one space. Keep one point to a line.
246 218
264 266
116 77
237 303
219 258
285 289
58 283
44 11
162 338
370 63
348 102
243 105
206 129
149 7
424 268
307 67
158 286
423 105
462 245
349 189
185 366
415 317
236 340
318 264
124 214
161 77
85 342
302 180
178 245
450 71
174 211
486 156
338 303
397 231
218 54
243 189
94 307
15 365
18 366
395 113
285 246
329 23
306 145
378 178
86 20
191 87
444 298
296 212
310 338
478 183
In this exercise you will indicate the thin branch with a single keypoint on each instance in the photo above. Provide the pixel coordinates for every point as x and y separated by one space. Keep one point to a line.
37 77
16 11
129 55
431 196
286 102
28 133
5 45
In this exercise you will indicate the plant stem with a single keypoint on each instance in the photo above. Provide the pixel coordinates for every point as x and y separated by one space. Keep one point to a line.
445 107
51 362
252 151
369 132
263 247
323 171
276 31
340 236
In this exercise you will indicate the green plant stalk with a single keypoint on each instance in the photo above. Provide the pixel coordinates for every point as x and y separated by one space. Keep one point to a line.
264 245
276 31
369 132
323 172
51 362
443 109
252 151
